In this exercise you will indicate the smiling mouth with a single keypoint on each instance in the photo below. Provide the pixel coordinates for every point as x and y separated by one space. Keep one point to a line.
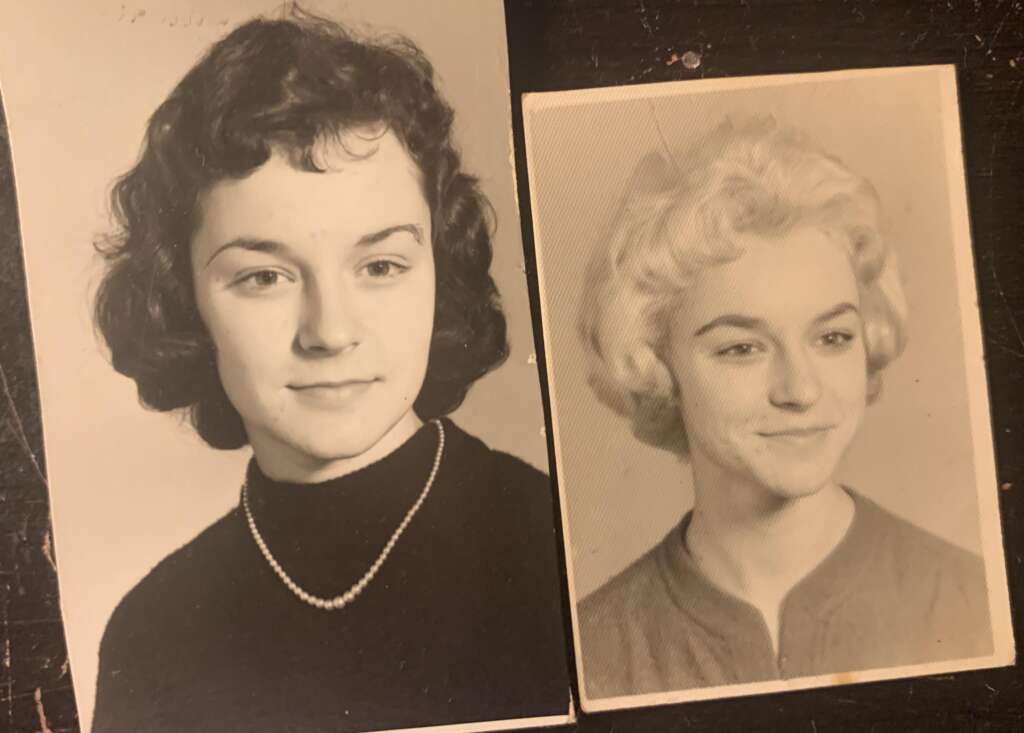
798 432
800 438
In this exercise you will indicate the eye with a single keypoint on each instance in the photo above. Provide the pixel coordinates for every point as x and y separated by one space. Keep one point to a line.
836 339
741 350
265 278
384 269
259 280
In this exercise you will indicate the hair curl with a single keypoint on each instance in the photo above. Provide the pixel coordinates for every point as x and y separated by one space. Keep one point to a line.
286 85
679 215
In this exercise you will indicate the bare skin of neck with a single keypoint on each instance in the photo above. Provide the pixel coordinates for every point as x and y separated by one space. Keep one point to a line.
757 545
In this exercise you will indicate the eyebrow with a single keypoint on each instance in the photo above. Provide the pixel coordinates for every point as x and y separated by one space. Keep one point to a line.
751 324
255 244
837 311
414 229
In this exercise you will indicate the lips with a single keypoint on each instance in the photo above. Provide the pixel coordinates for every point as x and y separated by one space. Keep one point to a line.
332 393
799 437
327 384
806 432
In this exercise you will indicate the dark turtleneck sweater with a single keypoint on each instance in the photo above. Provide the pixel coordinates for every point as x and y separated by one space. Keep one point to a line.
462 623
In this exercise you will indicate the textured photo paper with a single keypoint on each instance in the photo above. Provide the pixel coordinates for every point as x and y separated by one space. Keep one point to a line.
332 236
769 402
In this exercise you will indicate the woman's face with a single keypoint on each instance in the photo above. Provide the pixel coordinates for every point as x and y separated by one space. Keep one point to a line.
767 353
318 291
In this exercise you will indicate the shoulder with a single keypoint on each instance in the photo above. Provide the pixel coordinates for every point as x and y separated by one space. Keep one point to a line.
509 501
941 587
502 536
500 511
156 630
617 626
505 507
494 480
469 451
916 554
621 597
175 584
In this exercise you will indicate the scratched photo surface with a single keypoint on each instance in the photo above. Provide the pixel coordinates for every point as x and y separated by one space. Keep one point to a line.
769 403
129 485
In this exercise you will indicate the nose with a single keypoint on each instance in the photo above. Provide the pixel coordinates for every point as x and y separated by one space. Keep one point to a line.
796 384
329 322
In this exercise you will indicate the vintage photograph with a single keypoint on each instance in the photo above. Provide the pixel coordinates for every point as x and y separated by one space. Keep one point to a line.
294 438
768 394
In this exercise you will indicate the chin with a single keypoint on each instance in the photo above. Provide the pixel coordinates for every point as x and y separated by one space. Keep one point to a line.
796 474
799 482
332 440
327 448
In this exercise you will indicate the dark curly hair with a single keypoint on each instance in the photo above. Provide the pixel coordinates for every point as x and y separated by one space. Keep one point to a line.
285 85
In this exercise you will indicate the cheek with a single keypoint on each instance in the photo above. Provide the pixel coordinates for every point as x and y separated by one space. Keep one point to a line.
404 324
249 343
847 380
716 399
410 324
247 367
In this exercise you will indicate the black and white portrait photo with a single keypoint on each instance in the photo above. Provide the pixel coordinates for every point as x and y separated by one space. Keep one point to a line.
294 437
768 396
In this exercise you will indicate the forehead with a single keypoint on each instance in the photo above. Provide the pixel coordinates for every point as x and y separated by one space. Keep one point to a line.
795 276
353 196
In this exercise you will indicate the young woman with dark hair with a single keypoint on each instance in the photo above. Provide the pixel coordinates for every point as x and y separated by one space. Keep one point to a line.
302 265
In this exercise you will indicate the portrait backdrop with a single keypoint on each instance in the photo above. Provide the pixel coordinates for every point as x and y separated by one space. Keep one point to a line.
128 485
924 451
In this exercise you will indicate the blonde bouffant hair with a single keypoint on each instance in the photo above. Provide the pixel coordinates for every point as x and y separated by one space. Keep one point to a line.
683 212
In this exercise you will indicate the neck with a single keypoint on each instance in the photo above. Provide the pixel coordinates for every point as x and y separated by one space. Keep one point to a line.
756 544
288 463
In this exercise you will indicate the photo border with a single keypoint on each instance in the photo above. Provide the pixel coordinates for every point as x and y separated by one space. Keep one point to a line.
974 361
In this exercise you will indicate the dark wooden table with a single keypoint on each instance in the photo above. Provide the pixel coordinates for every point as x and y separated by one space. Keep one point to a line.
568 44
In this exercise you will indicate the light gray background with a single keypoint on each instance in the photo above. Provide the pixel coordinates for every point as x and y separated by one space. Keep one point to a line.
914 454
128 486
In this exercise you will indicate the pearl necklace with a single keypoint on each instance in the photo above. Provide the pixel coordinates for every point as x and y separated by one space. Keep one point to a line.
332 604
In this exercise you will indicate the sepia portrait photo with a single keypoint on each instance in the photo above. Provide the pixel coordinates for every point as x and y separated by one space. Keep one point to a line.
768 393
294 436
